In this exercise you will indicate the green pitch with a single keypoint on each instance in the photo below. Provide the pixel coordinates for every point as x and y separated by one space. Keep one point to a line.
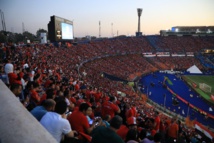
209 80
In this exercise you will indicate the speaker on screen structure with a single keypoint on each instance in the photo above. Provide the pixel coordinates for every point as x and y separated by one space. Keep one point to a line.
43 38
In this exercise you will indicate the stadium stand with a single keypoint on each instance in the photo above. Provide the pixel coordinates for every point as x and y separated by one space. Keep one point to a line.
81 69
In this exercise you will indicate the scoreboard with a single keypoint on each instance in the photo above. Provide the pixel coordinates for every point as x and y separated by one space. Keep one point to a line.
60 29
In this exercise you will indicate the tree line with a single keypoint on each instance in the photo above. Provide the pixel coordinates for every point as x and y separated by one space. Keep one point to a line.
7 36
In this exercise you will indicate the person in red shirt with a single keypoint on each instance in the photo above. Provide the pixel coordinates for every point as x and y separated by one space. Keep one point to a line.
34 96
97 96
13 78
79 121
88 93
77 86
123 130
157 122
110 108
172 131
131 111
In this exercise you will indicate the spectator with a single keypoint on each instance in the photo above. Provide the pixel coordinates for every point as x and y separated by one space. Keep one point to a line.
47 106
132 136
67 96
157 138
157 122
109 107
80 118
144 138
16 89
106 120
108 135
172 131
34 96
56 123
123 130
8 68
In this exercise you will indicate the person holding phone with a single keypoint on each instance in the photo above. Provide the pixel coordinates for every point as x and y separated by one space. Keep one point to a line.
79 121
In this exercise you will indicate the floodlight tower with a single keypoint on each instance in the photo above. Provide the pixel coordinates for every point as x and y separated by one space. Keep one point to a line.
139 12
99 29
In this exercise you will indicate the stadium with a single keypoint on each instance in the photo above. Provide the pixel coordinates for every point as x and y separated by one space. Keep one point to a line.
171 74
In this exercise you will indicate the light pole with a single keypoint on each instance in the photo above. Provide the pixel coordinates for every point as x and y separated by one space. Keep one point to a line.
148 91
112 30
73 27
188 109
139 12
164 100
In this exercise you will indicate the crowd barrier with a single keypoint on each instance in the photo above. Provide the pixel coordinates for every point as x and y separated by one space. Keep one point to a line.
17 124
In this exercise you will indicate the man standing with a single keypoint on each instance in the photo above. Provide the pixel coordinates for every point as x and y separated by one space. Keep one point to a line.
172 131
157 121
103 134
110 108
56 123
8 68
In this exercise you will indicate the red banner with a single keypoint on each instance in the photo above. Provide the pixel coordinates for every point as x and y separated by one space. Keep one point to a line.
192 106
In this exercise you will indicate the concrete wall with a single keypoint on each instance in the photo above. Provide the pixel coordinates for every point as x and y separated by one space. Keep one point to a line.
17 125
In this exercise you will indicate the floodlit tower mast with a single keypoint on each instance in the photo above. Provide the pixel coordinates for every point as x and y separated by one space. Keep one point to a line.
139 12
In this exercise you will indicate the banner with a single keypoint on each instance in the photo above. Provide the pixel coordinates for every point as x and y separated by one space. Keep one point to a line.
163 54
191 105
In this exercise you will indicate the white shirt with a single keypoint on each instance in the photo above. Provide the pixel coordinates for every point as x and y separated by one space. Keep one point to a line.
25 66
23 83
67 101
32 72
8 68
55 125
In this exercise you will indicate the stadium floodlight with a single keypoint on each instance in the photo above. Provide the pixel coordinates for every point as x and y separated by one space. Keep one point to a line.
176 30
139 12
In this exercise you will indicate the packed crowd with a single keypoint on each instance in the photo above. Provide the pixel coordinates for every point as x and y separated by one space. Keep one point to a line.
83 106
177 63
183 44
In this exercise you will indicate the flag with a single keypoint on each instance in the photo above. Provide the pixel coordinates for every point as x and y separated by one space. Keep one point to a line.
204 129
168 80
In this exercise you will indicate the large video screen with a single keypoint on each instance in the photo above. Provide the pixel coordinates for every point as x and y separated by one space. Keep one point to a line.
67 31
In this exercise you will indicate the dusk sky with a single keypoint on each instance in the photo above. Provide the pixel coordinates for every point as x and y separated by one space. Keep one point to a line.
157 15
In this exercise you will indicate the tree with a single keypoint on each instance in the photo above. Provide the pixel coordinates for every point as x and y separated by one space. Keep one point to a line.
2 37
29 36
19 37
